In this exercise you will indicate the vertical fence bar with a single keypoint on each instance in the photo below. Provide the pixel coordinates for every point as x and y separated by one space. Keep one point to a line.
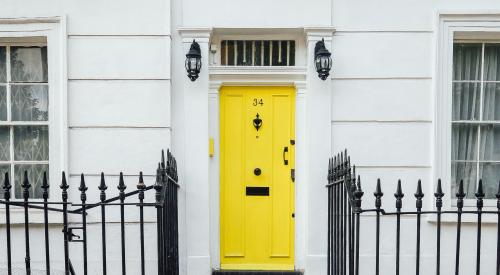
344 220
141 186
497 195
176 217
64 186
45 196
460 204
439 203
418 204
6 188
159 219
102 187
358 194
26 193
122 187
479 203
335 219
399 203
329 190
83 197
378 203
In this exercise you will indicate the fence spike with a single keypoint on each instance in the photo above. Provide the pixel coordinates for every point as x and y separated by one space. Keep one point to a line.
358 194
102 187
6 186
162 159
83 188
399 195
121 186
439 195
64 184
497 195
378 195
480 194
140 184
45 186
26 185
460 195
419 195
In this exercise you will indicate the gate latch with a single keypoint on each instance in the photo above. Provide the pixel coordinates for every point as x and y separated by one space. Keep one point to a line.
72 236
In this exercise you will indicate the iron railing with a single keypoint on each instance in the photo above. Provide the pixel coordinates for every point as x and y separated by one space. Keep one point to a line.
165 188
345 208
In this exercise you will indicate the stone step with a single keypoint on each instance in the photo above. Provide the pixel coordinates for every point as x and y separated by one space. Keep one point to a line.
254 272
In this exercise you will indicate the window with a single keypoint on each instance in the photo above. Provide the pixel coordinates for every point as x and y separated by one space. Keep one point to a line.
24 115
258 53
475 132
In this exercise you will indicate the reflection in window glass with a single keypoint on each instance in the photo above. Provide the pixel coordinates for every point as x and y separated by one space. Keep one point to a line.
30 103
29 64
3 65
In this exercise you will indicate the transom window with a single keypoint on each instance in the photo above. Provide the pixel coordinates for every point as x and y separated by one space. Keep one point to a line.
475 148
258 53
24 117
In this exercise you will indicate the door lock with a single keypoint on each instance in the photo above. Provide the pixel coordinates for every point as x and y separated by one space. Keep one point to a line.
257 171
285 150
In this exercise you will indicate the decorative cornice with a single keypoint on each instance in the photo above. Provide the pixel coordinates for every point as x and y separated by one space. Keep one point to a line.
317 33
31 20
201 34
257 70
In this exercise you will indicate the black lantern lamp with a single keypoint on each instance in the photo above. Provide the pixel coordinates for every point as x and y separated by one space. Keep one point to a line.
193 61
322 59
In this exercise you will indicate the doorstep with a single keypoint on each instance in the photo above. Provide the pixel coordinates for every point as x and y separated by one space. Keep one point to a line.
254 272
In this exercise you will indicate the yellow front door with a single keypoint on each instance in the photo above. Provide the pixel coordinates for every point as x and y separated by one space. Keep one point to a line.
257 190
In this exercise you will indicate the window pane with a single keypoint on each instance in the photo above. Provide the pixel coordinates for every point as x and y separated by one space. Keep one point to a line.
490 143
35 177
4 168
230 52
275 53
223 52
3 103
30 103
464 142
31 143
490 173
491 101
29 64
466 61
465 171
492 62
3 65
466 101
4 144
258 53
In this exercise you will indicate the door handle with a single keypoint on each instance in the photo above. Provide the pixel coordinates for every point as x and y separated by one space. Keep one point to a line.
285 150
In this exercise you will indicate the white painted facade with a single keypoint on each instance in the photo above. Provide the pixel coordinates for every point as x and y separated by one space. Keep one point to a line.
122 95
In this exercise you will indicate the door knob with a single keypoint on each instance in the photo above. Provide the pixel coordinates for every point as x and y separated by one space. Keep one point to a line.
257 171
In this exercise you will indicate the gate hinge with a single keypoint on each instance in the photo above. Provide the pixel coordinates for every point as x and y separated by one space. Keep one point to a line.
292 174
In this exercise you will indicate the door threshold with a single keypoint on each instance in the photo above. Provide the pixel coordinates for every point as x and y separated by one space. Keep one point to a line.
256 272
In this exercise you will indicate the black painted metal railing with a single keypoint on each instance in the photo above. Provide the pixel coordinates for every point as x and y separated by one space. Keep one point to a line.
344 211
165 187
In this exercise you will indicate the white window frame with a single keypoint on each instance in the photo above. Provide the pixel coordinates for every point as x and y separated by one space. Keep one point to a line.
53 30
455 26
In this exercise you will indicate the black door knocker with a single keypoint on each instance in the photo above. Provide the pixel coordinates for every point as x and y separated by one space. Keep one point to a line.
257 122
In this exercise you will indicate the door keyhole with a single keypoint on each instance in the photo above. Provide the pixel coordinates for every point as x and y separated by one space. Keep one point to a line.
257 171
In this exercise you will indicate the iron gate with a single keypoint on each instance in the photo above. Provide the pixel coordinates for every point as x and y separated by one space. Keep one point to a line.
165 191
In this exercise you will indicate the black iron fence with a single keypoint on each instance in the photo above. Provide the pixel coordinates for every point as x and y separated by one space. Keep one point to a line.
345 208
165 189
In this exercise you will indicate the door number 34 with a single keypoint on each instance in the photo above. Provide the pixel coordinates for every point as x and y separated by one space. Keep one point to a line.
258 101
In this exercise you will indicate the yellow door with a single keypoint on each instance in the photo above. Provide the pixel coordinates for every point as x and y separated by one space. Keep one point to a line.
257 190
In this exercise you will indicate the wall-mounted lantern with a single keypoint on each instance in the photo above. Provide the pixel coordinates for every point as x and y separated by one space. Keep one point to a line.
193 61
322 59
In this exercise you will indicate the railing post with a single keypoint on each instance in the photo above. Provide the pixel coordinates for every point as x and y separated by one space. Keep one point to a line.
378 203
418 204
460 204
159 219
64 186
26 193
479 203
399 203
102 188
121 188
497 195
439 204
45 195
6 188
83 197
141 186
358 194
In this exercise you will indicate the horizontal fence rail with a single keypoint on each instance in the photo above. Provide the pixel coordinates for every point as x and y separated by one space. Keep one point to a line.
345 209
165 193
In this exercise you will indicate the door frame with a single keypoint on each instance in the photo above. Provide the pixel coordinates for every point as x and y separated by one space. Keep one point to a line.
294 77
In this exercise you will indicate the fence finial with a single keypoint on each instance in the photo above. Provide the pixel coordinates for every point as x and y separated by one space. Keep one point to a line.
399 196
479 194
6 186
102 187
83 188
378 195
140 184
26 185
439 195
121 186
45 186
460 195
358 194
419 195
497 195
